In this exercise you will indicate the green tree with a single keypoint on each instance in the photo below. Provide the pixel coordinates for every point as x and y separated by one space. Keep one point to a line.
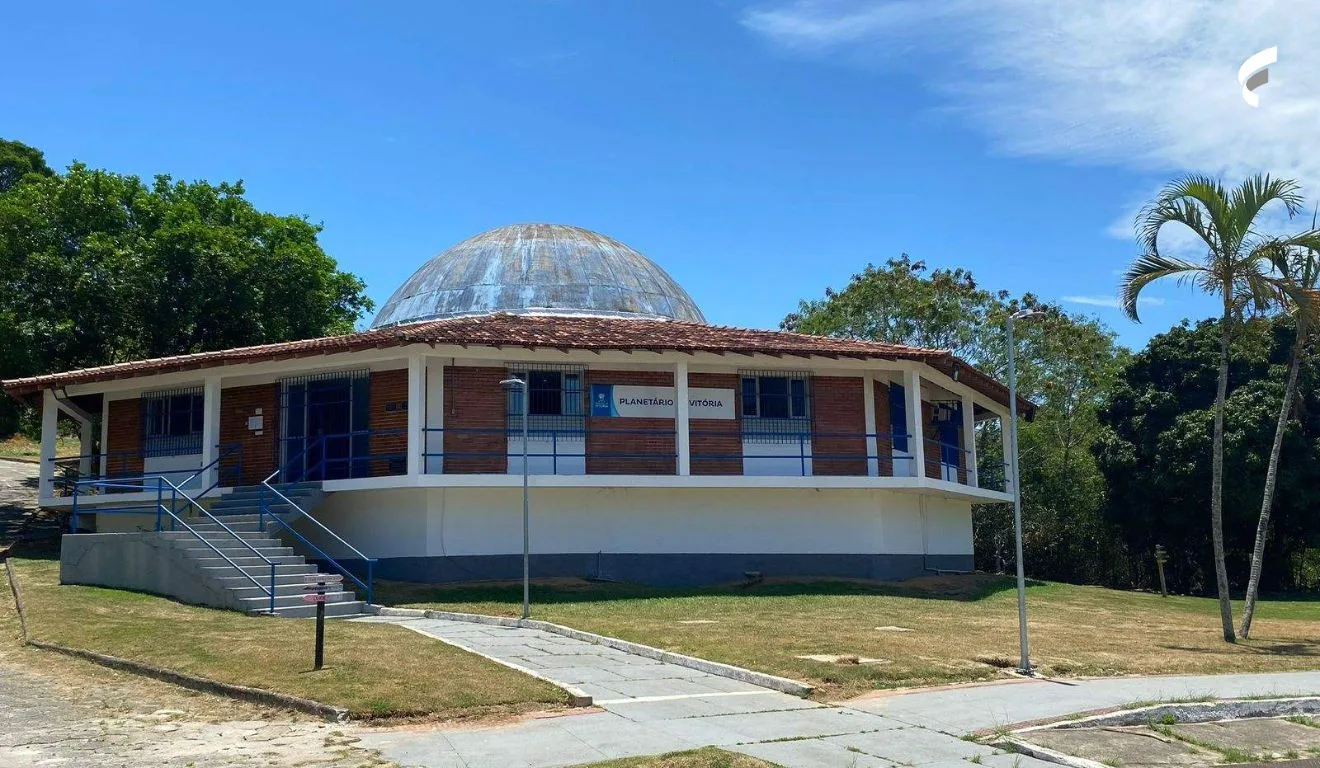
98 267
1066 364
1237 266
1156 432
17 160
1301 271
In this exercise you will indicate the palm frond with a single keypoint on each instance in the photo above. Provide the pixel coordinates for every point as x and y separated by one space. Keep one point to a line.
1147 269
1197 202
1255 193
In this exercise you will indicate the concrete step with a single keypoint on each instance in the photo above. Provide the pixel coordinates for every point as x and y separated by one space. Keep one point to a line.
234 581
332 610
219 535
217 567
261 602
232 549
251 527
246 589
225 511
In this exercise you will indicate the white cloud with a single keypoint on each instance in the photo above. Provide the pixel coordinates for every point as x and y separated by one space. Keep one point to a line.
1111 302
1150 86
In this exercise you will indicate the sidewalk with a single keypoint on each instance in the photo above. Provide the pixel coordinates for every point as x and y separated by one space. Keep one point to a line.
652 707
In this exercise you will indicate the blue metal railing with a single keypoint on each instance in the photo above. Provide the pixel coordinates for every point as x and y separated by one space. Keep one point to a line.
342 455
802 453
128 464
163 511
565 449
268 495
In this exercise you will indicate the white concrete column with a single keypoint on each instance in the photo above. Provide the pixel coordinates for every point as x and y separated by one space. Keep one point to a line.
969 438
433 452
1006 435
416 411
86 441
915 429
683 439
46 469
210 430
868 409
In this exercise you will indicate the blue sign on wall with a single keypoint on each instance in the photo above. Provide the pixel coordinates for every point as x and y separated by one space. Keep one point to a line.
602 400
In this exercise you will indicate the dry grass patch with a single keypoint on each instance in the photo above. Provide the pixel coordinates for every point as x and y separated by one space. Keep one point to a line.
710 757
963 629
25 448
373 670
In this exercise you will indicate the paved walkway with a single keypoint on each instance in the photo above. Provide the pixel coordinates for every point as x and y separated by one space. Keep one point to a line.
652 707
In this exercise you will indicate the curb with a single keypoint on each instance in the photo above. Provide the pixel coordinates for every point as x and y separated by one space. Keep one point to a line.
781 684
242 692
1048 755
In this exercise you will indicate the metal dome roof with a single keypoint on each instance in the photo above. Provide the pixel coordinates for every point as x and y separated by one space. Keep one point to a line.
550 268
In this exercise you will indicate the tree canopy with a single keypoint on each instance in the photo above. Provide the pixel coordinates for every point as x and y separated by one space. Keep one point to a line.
1156 439
1066 363
98 267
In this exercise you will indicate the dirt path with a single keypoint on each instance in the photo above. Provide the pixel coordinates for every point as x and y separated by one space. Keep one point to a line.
65 712
18 497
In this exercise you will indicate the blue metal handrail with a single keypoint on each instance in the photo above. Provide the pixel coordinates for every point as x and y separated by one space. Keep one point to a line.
225 451
161 509
264 509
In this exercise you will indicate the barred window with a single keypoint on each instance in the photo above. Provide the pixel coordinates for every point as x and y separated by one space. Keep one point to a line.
774 397
555 398
172 422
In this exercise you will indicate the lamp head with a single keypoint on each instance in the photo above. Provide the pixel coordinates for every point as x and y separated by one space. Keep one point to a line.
514 382
1025 313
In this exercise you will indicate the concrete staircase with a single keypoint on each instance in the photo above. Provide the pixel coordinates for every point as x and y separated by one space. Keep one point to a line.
240 512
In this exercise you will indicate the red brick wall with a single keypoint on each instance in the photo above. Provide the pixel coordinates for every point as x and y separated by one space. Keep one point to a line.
124 435
716 437
838 443
388 411
474 399
259 453
651 436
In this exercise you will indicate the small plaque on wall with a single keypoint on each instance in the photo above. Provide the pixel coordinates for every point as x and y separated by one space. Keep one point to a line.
256 423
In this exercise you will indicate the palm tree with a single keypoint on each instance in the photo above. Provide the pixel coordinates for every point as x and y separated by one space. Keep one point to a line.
1302 271
1238 267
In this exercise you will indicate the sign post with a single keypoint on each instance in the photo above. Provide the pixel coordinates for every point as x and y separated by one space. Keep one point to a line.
1161 557
315 589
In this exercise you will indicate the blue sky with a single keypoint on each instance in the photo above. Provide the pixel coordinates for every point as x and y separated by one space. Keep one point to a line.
759 151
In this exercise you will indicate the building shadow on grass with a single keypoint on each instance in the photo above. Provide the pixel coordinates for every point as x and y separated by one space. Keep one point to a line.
962 588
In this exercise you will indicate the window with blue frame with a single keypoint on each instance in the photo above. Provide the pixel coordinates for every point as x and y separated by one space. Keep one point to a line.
774 397
172 422
556 400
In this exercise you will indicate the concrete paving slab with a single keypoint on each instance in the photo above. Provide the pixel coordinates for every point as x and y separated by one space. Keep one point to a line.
677 709
1129 746
813 753
1259 736
913 746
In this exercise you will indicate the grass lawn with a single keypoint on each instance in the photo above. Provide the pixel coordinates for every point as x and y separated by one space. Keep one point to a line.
710 757
371 669
23 447
962 629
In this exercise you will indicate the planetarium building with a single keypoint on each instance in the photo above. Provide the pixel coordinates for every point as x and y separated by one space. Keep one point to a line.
658 448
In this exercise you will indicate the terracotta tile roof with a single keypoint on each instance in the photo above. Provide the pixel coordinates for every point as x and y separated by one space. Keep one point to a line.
531 332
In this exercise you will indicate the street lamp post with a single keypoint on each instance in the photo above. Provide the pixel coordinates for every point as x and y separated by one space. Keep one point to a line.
1025 665
520 386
